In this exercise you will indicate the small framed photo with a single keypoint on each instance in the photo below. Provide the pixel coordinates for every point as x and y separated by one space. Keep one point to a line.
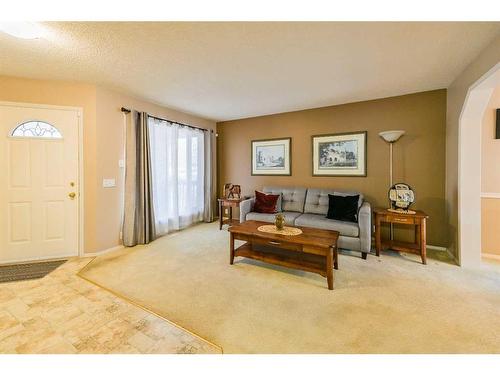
341 154
272 157
232 191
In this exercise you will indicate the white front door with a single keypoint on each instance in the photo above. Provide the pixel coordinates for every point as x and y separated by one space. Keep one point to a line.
39 185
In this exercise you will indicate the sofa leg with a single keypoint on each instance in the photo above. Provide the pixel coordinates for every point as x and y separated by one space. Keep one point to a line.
364 255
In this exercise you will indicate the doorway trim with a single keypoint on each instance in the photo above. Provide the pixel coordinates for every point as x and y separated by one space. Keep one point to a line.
469 167
81 185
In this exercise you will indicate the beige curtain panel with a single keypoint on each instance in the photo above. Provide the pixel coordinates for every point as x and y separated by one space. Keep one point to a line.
138 218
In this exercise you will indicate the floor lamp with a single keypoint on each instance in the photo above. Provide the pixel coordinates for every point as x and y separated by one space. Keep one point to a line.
391 136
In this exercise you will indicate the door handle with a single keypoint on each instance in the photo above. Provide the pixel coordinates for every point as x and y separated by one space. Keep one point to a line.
72 195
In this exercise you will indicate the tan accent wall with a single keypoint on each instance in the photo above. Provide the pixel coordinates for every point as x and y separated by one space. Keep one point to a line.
419 156
102 144
490 179
457 93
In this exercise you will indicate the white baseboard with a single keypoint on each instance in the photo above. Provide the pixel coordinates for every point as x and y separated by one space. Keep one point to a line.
453 257
437 248
490 256
445 249
490 195
102 252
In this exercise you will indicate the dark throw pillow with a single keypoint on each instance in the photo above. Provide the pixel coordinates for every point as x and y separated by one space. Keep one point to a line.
343 208
265 203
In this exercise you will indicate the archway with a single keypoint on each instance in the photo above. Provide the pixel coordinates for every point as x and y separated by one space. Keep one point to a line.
469 167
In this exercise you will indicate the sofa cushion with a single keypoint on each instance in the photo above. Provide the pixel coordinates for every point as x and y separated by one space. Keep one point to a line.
317 200
265 203
292 198
343 208
269 218
345 228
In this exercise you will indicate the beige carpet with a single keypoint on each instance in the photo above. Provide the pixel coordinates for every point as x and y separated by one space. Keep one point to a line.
391 304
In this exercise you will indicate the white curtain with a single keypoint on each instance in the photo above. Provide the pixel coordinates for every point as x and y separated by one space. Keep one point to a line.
177 159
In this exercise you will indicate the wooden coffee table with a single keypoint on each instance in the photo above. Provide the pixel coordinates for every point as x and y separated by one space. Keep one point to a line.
315 250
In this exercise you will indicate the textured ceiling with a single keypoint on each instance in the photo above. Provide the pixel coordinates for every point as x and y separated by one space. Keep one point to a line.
226 71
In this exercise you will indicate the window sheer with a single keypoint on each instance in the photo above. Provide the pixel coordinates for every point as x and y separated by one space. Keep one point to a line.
177 161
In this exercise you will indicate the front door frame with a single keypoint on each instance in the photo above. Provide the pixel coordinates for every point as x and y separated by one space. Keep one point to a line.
80 193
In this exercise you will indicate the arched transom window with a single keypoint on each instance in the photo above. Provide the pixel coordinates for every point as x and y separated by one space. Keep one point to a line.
36 129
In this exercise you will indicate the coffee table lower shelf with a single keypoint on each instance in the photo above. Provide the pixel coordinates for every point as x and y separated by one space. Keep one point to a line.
300 261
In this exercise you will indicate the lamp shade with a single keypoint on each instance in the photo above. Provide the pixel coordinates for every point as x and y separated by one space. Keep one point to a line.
391 135
23 30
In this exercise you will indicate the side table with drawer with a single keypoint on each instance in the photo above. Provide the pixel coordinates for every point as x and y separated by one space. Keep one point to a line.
228 203
418 220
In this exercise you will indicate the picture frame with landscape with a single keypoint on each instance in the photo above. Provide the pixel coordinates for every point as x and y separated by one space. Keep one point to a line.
342 154
271 157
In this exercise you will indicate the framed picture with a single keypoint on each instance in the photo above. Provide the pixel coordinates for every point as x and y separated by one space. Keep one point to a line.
341 154
272 157
232 191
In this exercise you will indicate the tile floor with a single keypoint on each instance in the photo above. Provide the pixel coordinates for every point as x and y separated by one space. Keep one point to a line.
62 313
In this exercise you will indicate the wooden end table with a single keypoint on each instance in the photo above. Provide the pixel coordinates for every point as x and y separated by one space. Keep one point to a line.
314 250
227 203
382 215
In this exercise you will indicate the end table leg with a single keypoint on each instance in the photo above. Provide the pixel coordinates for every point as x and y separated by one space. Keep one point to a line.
417 235
378 240
220 215
423 241
329 268
231 248
335 258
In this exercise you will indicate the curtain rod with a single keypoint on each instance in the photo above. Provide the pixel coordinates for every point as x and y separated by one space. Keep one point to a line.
126 110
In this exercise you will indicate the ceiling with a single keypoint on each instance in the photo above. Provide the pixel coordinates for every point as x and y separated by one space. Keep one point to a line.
230 70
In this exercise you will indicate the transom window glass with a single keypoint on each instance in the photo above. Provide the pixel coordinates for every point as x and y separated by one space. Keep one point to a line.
36 129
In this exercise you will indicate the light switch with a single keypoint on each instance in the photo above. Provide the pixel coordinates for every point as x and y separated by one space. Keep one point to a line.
121 163
108 182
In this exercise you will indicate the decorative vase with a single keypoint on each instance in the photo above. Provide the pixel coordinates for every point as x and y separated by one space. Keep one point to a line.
279 221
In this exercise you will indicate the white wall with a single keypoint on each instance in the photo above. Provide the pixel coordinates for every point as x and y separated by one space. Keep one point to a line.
490 180
457 93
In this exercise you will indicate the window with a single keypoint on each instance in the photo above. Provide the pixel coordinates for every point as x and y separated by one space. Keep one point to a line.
36 129
177 161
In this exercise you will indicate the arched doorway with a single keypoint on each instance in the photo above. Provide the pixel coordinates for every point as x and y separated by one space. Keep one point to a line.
469 167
